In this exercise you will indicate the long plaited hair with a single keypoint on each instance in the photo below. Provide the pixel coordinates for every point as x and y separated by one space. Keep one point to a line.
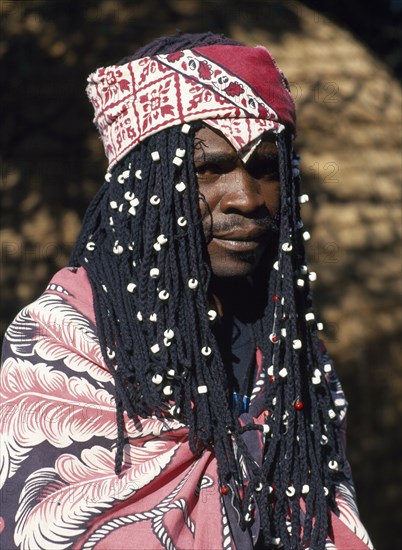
143 248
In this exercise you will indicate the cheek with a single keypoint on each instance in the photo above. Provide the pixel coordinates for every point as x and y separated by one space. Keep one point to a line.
272 197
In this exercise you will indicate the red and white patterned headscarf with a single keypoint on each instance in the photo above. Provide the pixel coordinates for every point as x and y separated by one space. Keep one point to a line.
238 90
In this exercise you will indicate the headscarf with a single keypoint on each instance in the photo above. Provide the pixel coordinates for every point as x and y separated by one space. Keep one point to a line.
220 85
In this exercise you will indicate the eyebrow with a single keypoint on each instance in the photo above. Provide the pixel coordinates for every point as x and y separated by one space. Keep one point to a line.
215 157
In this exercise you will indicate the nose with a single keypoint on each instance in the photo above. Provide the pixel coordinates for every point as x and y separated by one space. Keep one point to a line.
242 194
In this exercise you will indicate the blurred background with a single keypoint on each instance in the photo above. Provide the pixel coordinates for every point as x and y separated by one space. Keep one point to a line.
343 60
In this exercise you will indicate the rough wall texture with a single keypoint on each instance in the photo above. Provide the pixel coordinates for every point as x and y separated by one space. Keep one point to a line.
349 128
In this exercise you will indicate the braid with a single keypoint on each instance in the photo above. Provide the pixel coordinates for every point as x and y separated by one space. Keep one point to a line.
143 248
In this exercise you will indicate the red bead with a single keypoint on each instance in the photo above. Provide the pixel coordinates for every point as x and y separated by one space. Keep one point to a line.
271 378
298 405
275 298
224 490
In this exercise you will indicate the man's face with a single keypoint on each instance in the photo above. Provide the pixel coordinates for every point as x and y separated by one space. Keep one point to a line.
242 202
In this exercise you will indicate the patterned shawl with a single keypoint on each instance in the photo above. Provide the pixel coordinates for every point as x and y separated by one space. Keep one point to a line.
58 429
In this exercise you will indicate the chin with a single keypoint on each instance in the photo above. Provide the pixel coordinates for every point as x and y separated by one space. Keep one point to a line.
233 270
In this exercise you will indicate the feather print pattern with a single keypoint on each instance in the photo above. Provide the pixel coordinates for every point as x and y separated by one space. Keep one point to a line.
58 431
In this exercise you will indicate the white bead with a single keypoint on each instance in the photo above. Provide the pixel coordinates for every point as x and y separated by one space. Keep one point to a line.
168 333
270 370
132 211
177 161
113 204
272 337
131 287
129 196
186 128
333 465
157 247
171 373
326 492
182 221
120 179
167 342
162 239
316 380
276 541
303 199
167 390
154 273
110 353
104 288
306 235
303 270
180 153
139 316
312 276
121 207
206 350
290 492
283 332
135 202
305 489
155 156
157 379
283 372
118 249
258 487
153 317
126 174
324 439
327 367
331 414
202 389
90 246
163 295
180 187
247 517
111 222
266 429
212 315
175 410
297 344
320 326
270 489
155 348
287 247
276 265
108 176
138 174
300 283
155 200
192 283
310 316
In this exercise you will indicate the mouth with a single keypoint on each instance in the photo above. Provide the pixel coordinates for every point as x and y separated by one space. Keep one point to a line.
245 241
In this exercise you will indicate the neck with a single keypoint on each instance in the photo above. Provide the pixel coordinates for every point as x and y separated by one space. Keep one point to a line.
237 297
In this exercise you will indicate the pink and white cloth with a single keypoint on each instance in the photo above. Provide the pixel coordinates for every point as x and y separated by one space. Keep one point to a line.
58 432
238 90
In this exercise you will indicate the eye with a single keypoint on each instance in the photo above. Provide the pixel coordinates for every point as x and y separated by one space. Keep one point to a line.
209 168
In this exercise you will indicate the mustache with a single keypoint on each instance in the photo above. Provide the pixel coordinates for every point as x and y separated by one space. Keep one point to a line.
267 224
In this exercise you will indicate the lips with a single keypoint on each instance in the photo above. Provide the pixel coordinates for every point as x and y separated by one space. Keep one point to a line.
241 241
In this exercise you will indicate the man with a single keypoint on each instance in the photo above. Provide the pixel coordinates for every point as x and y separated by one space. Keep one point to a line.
188 317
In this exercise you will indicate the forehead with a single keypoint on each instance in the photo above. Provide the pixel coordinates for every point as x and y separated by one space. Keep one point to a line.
209 140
